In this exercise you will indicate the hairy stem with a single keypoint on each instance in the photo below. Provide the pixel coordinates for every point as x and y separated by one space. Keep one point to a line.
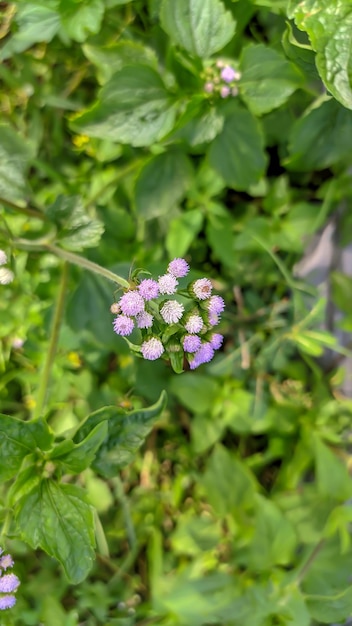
54 337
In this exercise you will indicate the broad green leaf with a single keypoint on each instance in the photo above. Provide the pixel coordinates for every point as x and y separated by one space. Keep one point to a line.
81 19
321 137
228 483
162 183
220 233
82 454
202 27
57 519
200 123
273 541
196 391
328 24
76 230
35 23
268 79
110 59
14 156
126 434
182 230
133 107
301 54
237 152
327 609
17 440
333 479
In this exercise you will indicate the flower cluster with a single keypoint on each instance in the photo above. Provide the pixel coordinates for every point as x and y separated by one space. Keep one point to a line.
9 583
221 79
174 322
6 275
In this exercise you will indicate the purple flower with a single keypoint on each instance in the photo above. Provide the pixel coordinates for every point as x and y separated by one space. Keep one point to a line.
216 341
123 325
178 268
152 349
225 91
213 319
228 74
7 602
6 561
9 583
172 311
209 87
202 288
144 320
216 304
131 303
203 355
167 284
194 324
191 343
148 289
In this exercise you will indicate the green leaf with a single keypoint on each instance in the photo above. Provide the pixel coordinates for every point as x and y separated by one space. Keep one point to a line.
81 455
327 609
14 156
220 233
35 23
162 183
196 391
201 27
320 138
237 152
200 123
80 19
133 107
126 434
328 24
110 59
17 440
268 79
341 290
228 483
182 232
333 479
57 519
76 229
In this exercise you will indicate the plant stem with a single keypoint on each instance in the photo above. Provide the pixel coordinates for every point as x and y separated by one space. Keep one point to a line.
131 535
45 377
27 210
309 562
42 245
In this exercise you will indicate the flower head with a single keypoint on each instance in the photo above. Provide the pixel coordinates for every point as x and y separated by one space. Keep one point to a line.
152 349
7 602
191 343
213 319
172 311
209 87
202 288
167 284
123 325
9 583
225 91
194 324
203 355
115 307
228 74
216 304
144 320
216 341
131 303
6 276
3 257
6 561
178 268
148 288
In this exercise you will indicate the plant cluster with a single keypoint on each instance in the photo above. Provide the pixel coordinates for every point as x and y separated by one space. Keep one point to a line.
211 138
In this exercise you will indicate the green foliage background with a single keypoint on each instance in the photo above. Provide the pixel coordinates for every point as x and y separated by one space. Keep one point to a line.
228 503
